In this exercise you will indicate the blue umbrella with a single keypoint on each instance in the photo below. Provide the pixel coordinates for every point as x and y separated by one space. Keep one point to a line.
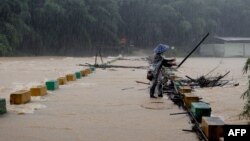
161 48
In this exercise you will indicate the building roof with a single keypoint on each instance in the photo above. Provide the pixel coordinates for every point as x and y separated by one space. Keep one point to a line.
233 39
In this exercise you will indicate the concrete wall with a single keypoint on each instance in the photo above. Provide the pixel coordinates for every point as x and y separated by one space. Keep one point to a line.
216 50
234 50
247 50
226 50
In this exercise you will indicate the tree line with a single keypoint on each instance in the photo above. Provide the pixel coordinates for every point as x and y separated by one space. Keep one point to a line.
40 27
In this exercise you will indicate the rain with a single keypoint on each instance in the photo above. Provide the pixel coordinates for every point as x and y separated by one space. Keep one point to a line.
109 47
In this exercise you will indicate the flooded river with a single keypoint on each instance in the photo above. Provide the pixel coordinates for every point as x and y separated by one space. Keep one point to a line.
108 104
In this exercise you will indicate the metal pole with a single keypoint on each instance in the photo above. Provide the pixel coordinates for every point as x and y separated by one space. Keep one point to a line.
192 51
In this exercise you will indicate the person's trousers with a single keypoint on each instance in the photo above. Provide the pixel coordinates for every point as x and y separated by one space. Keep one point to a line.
156 84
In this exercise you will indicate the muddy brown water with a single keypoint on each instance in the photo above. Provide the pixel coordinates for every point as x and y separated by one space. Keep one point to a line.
100 106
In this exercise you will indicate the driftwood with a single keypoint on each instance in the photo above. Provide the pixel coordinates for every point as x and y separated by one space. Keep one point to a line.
142 82
114 66
210 81
128 88
134 59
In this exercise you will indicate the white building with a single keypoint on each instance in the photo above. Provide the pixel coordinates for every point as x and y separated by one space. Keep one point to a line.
226 47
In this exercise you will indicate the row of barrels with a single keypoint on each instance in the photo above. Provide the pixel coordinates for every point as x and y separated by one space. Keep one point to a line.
212 127
24 96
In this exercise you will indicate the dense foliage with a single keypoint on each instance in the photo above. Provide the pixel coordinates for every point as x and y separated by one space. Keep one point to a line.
246 95
55 26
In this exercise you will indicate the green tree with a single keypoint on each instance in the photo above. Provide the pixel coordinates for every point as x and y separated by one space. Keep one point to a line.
9 21
103 26
56 26
246 95
5 48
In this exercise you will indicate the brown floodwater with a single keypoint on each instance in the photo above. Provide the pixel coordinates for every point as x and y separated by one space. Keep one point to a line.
108 104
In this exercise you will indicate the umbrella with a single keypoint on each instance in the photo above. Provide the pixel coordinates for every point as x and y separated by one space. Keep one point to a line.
161 48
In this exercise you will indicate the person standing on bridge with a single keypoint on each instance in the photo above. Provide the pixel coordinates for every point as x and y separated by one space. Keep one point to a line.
156 68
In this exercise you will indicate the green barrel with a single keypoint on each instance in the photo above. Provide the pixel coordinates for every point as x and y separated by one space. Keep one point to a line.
178 85
78 75
92 68
200 109
2 106
52 85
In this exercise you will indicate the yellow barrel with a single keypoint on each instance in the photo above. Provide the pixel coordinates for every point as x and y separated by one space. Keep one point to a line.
71 77
62 80
213 128
20 97
86 72
83 72
189 98
185 89
38 90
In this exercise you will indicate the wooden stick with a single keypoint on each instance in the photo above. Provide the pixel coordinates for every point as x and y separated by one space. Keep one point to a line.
100 55
178 113
114 66
192 50
142 82
96 58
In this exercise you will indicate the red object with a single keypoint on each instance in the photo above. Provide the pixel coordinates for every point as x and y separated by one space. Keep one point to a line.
123 40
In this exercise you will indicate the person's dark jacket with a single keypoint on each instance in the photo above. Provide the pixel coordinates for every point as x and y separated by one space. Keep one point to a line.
158 62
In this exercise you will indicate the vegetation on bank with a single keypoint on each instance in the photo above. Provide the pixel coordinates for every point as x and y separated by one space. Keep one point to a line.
246 95
41 27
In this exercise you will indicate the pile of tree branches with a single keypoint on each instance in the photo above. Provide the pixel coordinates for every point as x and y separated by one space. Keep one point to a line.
204 81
